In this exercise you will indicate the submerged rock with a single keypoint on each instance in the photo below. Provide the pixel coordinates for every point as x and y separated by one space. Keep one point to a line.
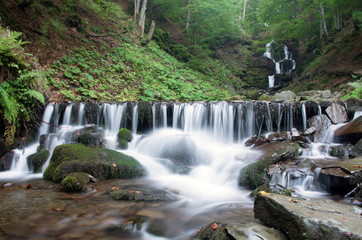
337 113
37 160
308 219
255 174
99 162
138 193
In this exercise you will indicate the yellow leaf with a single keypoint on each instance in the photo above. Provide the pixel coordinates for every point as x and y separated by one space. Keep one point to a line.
263 193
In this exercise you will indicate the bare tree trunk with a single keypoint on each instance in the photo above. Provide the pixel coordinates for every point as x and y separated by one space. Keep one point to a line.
150 32
138 5
143 27
323 20
135 16
143 13
244 10
188 20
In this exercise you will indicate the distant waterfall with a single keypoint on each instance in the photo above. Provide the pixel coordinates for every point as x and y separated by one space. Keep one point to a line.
284 63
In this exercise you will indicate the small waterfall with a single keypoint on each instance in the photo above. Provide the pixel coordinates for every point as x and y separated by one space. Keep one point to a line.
134 118
304 116
284 63
67 114
44 128
81 114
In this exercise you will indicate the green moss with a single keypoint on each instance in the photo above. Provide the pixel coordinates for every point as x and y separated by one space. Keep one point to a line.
265 97
122 144
85 138
99 162
252 94
37 160
125 134
75 182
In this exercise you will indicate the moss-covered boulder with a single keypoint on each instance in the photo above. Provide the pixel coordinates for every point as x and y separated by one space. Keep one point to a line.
75 182
37 160
255 174
213 231
88 138
124 137
101 163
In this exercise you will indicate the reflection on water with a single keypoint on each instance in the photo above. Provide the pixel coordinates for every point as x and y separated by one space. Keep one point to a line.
42 211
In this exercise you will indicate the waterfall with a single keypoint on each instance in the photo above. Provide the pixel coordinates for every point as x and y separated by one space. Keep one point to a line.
283 63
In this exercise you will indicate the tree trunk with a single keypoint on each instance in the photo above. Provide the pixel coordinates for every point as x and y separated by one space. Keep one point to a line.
244 10
323 20
188 20
150 32
143 27
143 13
138 5
135 16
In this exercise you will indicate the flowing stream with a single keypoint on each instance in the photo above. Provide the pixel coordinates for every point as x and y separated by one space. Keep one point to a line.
212 134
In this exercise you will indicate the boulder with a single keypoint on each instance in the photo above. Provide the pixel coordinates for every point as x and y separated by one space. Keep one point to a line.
350 132
75 182
321 124
341 177
308 219
288 96
251 141
337 113
316 94
281 136
255 174
343 151
87 138
37 160
99 162
6 161
139 193
353 105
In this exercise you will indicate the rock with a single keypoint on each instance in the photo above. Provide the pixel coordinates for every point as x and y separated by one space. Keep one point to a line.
288 96
253 230
75 181
255 175
87 138
316 94
213 231
321 124
99 162
6 161
353 105
337 113
349 133
281 136
251 141
308 219
180 149
139 193
295 132
309 131
357 149
341 151
124 137
37 160
342 177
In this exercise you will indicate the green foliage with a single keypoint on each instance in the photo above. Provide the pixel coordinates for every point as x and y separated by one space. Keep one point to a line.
356 91
16 86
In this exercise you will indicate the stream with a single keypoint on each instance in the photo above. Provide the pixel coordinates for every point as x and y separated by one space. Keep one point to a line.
212 137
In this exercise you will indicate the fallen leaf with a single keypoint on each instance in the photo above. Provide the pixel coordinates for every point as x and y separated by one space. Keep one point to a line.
29 186
293 200
137 192
348 234
357 166
57 209
343 218
214 226
263 193
115 188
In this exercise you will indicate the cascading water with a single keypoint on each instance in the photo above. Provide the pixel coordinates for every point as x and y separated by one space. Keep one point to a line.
284 63
194 149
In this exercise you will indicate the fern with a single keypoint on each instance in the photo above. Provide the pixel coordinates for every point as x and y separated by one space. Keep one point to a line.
36 95
10 105
9 135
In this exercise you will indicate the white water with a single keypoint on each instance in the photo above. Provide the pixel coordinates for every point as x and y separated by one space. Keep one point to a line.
269 53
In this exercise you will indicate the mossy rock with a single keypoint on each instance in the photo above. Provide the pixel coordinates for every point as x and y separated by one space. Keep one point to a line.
213 231
125 134
122 144
254 174
37 160
265 97
87 138
101 163
124 137
75 182
142 194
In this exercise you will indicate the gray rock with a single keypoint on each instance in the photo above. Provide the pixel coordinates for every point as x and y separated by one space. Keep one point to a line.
139 193
37 160
249 231
285 96
351 132
6 161
278 136
255 174
326 94
343 151
337 113
308 219
309 131
321 123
